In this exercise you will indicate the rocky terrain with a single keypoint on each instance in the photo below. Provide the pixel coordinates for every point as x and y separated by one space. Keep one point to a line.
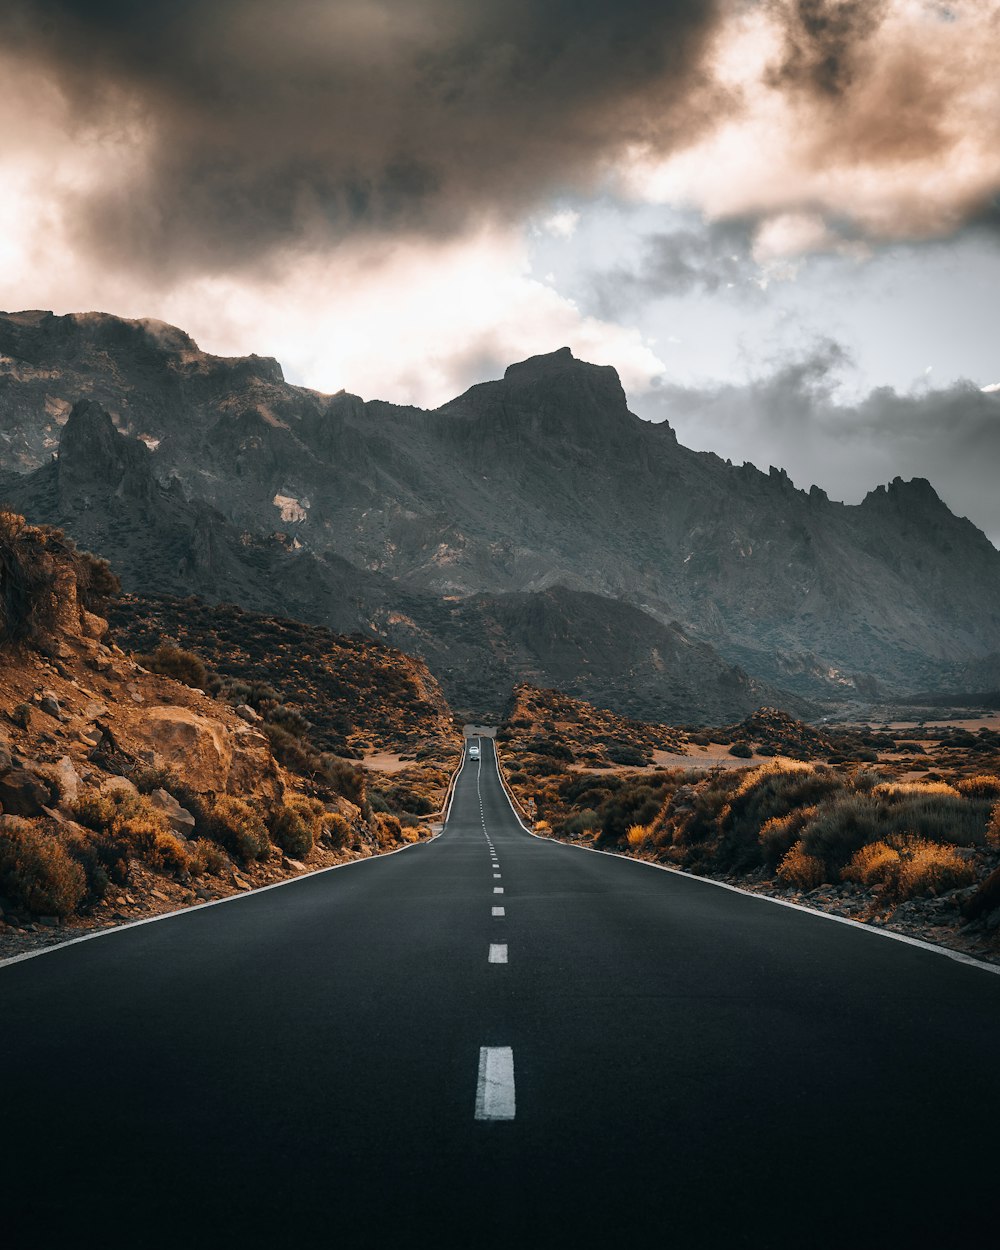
895 828
540 480
102 487
127 789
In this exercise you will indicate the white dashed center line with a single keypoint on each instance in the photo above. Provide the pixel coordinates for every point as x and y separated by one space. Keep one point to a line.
498 952
496 876
498 889
499 911
495 1087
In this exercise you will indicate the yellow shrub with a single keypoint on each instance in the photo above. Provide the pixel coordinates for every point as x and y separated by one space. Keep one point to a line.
801 870
905 866
336 829
636 836
167 853
875 864
922 789
929 867
542 826
387 828
981 786
779 764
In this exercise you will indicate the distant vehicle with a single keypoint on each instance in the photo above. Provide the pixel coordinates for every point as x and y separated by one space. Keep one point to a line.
473 752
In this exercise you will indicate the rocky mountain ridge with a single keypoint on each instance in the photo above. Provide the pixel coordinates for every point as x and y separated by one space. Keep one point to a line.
538 480
102 489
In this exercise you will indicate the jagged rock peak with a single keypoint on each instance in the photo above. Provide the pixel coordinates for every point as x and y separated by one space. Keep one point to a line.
917 492
92 450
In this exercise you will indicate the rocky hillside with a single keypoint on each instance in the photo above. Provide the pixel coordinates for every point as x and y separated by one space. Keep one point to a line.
552 726
357 694
125 790
103 488
541 479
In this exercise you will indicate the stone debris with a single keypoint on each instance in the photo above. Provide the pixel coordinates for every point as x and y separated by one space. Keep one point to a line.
179 818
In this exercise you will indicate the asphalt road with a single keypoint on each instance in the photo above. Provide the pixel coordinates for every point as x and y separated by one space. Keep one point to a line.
690 1066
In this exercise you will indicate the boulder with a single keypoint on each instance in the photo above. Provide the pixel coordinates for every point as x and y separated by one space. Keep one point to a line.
119 783
49 704
6 763
68 778
23 793
245 712
211 757
180 819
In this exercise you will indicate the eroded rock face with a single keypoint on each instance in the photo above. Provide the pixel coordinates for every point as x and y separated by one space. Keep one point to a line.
212 757
23 793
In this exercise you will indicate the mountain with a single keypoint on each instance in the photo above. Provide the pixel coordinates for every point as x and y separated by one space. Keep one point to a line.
542 479
102 489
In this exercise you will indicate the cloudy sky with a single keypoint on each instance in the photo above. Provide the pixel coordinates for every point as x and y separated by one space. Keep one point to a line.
779 219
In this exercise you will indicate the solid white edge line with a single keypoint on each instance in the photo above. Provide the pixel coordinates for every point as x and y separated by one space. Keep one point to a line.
215 902
958 956
495 1086
233 898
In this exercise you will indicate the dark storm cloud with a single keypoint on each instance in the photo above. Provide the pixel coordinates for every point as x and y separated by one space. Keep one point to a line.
713 257
825 42
266 124
792 417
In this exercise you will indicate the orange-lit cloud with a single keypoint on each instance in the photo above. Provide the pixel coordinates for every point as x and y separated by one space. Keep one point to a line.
880 118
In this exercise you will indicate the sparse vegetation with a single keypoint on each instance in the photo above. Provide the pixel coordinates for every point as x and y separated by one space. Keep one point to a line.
38 872
170 661
238 827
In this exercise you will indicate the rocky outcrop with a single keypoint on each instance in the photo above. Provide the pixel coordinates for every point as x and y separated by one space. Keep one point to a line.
214 758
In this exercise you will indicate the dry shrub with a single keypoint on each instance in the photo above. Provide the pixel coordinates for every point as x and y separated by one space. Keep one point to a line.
921 789
636 836
929 868
184 666
981 786
905 867
777 788
206 857
780 833
387 827
37 872
237 827
876 864
167 853
294 825
108 811
336 830
127 824
800 869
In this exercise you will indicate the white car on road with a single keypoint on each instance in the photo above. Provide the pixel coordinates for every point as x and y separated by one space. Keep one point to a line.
473 752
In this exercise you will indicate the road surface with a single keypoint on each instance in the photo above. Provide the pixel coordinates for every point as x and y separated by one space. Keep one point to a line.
393 1053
